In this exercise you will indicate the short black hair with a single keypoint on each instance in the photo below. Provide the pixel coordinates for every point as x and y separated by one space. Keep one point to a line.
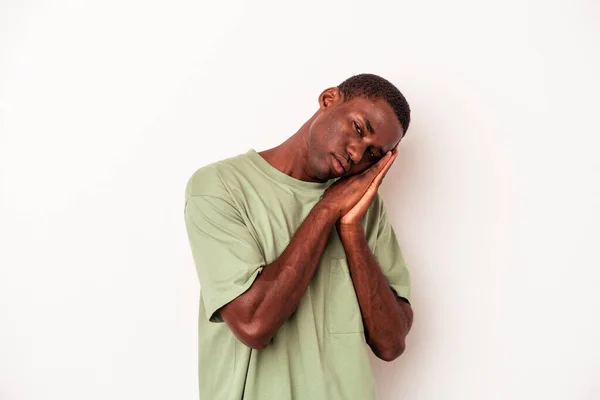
375 87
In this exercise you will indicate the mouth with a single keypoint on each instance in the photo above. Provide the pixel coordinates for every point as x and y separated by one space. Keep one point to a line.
339 165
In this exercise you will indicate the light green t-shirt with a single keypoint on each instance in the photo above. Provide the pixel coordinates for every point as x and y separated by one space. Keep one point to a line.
240 215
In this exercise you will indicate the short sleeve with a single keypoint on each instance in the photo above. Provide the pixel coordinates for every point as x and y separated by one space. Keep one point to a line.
389 255
226 255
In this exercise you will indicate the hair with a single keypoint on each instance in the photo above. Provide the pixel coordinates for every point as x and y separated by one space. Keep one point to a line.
375 87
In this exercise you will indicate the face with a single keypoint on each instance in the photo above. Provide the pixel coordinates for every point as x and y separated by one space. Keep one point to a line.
347 137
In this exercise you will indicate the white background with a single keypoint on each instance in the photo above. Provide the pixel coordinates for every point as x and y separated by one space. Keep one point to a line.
106 109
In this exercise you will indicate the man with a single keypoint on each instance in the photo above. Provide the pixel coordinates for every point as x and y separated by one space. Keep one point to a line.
299 267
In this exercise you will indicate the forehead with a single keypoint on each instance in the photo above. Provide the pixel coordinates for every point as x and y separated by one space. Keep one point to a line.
381 117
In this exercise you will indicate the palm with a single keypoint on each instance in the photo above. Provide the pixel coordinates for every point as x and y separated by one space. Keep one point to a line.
356 213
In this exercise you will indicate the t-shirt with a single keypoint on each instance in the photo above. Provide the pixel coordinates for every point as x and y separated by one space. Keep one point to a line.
240 215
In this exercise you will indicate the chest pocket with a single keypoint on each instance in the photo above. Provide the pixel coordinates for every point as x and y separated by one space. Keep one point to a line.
343 312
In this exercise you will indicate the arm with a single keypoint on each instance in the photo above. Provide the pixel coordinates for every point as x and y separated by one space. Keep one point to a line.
386 317
256 315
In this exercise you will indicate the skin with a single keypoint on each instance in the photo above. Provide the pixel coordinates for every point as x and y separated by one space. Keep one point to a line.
366 150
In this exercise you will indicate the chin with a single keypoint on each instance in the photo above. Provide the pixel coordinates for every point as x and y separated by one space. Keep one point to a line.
326 175
316 169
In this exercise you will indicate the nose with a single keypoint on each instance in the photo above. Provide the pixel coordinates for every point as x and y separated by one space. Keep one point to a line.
356 152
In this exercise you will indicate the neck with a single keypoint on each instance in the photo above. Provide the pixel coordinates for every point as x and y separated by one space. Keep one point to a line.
291 156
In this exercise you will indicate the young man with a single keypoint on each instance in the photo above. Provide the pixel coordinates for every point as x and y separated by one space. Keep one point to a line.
299 267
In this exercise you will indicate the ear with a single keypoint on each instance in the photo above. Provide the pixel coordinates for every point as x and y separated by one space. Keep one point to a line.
329 97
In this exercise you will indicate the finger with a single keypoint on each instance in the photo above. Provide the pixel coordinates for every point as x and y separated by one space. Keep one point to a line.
376 168
379 178
373 174
388 165
369 175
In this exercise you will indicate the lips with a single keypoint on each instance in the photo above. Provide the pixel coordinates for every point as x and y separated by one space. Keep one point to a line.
339 165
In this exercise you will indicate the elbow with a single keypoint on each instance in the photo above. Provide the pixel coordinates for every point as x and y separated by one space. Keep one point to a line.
254 335
252 331
390 353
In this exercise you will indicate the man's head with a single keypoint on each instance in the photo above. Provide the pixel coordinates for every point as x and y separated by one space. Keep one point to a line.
357 123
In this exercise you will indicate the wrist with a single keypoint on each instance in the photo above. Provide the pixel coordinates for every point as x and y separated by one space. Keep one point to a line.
328 211
350 229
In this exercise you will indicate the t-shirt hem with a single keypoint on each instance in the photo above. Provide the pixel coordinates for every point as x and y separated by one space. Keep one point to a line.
402 291
214 304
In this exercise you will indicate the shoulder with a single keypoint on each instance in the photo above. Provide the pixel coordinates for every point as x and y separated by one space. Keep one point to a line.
216 179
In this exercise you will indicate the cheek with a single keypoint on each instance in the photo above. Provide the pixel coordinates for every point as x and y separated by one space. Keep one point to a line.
358 168
318 135
326 135
333 131
317 156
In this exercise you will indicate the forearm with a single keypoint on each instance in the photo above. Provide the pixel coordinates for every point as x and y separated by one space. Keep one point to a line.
277 291
386 319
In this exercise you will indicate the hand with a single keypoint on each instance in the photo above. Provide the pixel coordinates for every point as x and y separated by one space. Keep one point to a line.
354 215
344 194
